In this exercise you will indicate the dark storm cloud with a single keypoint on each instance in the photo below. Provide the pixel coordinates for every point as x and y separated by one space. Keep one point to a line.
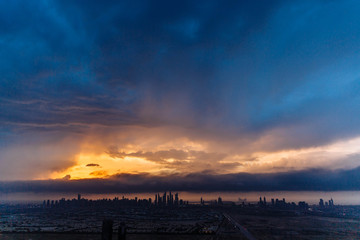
88 62
235 65
154 48
46 79
227 72
307 180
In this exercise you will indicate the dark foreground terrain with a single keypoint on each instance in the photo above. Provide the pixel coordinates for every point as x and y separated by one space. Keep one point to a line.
299 227
279 220
57 236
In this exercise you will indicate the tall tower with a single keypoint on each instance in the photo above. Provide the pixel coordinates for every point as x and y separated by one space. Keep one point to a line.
176 199
164 198
171 199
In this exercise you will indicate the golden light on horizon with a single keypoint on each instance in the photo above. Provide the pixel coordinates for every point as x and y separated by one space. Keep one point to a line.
102 164
89 165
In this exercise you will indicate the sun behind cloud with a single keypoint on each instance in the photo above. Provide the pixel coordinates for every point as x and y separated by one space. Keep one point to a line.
109 166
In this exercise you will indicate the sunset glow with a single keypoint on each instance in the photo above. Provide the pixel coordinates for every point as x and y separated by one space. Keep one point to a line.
190 91
103 166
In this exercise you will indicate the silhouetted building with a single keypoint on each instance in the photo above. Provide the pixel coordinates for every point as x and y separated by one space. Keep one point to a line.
303 205
280 203
164 199
158 202
122 231
171 199
220 202
176 199
262 202
107 229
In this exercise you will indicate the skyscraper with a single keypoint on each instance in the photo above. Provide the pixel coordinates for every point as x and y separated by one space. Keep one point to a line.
176 199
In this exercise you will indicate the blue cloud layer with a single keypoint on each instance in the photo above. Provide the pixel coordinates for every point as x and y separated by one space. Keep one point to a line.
232 71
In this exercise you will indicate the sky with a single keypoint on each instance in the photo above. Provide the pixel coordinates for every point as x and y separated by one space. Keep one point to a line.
239 92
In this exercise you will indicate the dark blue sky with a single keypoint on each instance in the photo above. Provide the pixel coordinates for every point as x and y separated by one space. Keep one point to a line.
169 87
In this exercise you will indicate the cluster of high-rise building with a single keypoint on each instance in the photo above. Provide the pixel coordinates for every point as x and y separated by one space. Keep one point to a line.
169 200
323 204
211 202
278 203
274 202
160 200
302 204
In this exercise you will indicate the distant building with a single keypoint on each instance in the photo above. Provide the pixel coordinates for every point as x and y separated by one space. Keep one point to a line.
303 205
164 199
176 199
262 202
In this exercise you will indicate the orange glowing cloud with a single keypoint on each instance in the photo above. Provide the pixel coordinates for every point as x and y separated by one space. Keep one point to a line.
153 151
109 166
